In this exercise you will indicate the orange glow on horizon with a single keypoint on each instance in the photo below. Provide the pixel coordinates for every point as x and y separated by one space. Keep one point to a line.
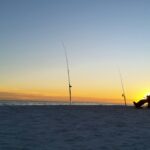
60 97
79 94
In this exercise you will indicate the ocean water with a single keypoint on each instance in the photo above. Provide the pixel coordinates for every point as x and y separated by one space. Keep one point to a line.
74 127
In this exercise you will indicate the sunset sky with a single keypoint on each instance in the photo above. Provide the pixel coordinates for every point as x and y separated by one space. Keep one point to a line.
100 36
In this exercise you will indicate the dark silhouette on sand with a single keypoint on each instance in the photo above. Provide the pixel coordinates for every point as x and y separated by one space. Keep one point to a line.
140 103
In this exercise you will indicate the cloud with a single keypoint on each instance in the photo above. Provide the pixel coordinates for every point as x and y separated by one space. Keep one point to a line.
40 97
23 96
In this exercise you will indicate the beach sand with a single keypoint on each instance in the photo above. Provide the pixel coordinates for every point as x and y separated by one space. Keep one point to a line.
74 128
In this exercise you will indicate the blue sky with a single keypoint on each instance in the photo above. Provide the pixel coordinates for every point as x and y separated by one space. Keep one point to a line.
99 35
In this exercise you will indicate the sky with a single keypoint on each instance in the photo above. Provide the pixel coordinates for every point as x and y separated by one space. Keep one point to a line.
101 37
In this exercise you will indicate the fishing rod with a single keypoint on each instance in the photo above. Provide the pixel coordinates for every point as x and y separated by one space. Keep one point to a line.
123 90
68 73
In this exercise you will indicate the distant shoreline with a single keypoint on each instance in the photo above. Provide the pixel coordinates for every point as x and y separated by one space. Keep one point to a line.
23 102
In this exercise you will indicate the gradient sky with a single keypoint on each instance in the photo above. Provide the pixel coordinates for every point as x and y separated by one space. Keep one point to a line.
100 36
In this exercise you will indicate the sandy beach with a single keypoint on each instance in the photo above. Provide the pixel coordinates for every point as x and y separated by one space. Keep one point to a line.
74 128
